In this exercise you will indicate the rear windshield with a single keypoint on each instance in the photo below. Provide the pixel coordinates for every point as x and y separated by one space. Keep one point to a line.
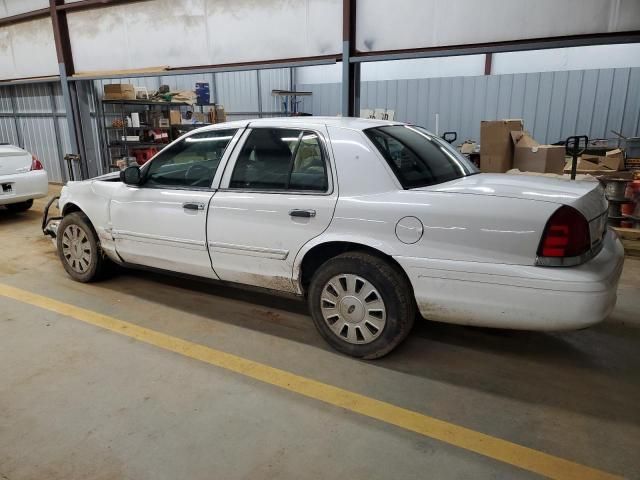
417 157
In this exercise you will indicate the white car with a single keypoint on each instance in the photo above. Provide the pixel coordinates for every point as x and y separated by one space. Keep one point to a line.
372 221
22 178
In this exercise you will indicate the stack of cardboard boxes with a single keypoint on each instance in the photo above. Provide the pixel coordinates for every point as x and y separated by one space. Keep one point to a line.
504 144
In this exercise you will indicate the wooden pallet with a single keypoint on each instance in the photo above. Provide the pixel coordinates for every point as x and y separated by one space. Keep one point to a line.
630 240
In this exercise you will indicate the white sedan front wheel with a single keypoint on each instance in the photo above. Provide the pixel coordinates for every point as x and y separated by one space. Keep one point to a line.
76 249
79 250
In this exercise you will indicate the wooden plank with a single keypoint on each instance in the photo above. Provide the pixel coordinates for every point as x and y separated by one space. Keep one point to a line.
628 233
132 71
631 248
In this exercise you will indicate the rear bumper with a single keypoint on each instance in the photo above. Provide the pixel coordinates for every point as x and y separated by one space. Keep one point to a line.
517 296
23 186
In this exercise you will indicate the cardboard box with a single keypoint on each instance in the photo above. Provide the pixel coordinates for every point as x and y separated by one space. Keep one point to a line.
468 147
175 117
496 146
614 159
585 166
200 117
530 156
219 116
119 91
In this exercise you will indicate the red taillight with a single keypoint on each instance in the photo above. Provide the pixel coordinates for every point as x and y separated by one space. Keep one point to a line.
35 163
566 234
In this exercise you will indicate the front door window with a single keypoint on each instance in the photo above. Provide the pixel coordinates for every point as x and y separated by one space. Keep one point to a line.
189 163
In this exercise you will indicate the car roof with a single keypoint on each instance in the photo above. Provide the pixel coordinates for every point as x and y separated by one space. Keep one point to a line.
342 122
8 148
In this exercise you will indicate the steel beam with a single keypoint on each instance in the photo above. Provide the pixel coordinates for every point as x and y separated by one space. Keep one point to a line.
56 130
93 4
62 7
66 68
29 81
488 59
24 17
259 84
18 125
350 70
61 36
230 67
498 47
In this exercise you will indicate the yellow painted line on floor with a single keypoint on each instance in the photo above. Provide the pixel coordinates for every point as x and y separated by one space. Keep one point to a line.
480 443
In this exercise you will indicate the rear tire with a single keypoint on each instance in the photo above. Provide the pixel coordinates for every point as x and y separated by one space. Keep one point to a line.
361 304
79 250
20 207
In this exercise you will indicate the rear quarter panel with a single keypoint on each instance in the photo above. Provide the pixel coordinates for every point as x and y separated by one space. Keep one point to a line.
456 226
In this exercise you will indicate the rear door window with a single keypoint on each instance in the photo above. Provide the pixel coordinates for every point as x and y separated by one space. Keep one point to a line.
418 158
281 159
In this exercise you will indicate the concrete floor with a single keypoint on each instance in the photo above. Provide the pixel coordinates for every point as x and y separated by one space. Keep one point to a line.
78 402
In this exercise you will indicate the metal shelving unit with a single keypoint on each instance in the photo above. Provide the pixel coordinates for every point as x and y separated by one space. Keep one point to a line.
118 148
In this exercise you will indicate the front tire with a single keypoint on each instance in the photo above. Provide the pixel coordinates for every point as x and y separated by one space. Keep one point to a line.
20 207
361 304
79 250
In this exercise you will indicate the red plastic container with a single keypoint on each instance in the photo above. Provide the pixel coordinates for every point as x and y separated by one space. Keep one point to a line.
143 155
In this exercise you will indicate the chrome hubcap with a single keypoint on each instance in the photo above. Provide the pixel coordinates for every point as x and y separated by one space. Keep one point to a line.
76 248
353 308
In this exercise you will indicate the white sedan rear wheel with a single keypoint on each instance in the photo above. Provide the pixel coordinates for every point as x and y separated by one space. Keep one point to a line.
362 304
353 309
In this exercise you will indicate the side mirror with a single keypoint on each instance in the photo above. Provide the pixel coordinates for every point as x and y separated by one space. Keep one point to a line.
131 175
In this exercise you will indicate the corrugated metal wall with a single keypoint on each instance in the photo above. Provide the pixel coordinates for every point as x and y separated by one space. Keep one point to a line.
554 105
33 117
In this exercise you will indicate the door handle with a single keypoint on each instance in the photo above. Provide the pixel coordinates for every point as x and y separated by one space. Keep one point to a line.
193 206
302 213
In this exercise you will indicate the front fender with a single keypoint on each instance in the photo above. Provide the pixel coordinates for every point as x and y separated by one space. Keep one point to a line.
93 198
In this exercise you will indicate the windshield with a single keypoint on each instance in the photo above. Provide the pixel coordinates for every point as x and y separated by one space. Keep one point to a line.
417 157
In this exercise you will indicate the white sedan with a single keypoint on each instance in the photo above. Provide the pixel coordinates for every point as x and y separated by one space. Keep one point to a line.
371 221
22 178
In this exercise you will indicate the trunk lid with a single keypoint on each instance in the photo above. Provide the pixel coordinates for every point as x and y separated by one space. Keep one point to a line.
585 196
14 160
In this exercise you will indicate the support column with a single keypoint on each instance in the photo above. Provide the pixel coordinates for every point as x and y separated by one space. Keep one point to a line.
16 122
82 94
488 58
259 85
56 130
350 71
66 68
